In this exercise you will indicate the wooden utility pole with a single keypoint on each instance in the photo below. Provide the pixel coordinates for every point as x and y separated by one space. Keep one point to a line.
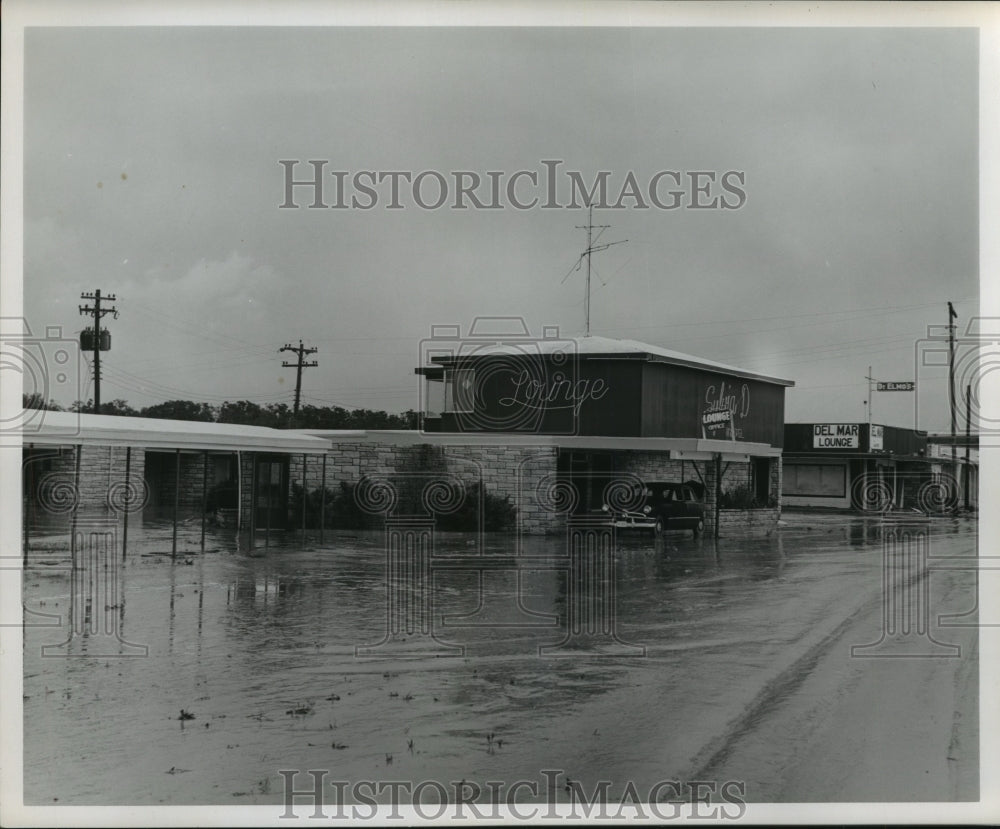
301 351
97 312
968 442
951 395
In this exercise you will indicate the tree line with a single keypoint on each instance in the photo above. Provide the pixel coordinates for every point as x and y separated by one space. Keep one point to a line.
245 412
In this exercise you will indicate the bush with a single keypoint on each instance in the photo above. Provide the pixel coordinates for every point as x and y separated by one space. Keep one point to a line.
743 497
341 510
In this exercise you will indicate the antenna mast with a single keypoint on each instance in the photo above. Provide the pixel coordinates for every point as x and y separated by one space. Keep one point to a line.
591 249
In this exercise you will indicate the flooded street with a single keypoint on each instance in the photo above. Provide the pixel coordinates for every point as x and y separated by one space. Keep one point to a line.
733 662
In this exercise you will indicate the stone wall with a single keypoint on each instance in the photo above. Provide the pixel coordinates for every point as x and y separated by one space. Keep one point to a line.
51 476
736 522
516 473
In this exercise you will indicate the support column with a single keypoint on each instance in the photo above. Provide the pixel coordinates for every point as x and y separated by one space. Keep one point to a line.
718 491
204 496
322 502
76 504
305 497
128 499
177 501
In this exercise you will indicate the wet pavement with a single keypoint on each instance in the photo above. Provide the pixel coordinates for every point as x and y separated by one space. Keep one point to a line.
714 643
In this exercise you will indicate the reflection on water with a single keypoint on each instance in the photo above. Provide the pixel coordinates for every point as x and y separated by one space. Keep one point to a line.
262 651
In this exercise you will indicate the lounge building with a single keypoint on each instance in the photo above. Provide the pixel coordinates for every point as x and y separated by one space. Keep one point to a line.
591 410
867 467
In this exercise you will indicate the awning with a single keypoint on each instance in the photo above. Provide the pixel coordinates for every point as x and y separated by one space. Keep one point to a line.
690 449
45 428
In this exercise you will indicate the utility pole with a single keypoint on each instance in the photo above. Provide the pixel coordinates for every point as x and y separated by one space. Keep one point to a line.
301 351
968 442
951 389
591 249
869 378
97 312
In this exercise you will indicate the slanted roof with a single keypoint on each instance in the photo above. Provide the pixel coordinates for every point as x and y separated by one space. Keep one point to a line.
69 428
601 347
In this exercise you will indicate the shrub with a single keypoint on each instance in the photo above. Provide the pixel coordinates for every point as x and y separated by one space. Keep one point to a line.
743 497
341 510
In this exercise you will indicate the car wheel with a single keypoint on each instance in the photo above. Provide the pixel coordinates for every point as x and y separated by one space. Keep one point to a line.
698 528
658 527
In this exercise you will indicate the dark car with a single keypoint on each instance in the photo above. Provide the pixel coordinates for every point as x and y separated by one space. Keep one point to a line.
665 506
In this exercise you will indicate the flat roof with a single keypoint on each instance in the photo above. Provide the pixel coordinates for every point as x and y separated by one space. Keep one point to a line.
49 428
600 347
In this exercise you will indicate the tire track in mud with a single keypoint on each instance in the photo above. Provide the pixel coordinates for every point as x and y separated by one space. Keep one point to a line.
778 690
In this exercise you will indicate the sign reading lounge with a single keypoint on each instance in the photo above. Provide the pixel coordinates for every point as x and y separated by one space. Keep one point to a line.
836 435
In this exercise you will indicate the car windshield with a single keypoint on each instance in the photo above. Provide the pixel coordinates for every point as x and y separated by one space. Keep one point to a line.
663 492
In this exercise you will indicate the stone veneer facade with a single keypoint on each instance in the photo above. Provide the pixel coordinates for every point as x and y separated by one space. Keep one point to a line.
523 474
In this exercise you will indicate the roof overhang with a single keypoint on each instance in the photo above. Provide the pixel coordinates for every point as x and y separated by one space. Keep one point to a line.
692 449
72 429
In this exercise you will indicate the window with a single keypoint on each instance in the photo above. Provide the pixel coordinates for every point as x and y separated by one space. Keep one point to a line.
460 390
762 479
819 480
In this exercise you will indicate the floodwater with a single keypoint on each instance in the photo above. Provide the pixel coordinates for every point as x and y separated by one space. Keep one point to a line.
281 659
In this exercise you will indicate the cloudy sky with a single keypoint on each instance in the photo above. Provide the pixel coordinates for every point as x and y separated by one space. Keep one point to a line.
152 172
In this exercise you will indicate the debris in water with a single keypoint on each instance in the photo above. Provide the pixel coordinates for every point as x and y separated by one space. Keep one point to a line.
175 770
333 697
337 745
300 710
186 715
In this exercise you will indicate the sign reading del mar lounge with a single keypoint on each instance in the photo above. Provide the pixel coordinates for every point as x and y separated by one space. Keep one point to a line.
836 435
